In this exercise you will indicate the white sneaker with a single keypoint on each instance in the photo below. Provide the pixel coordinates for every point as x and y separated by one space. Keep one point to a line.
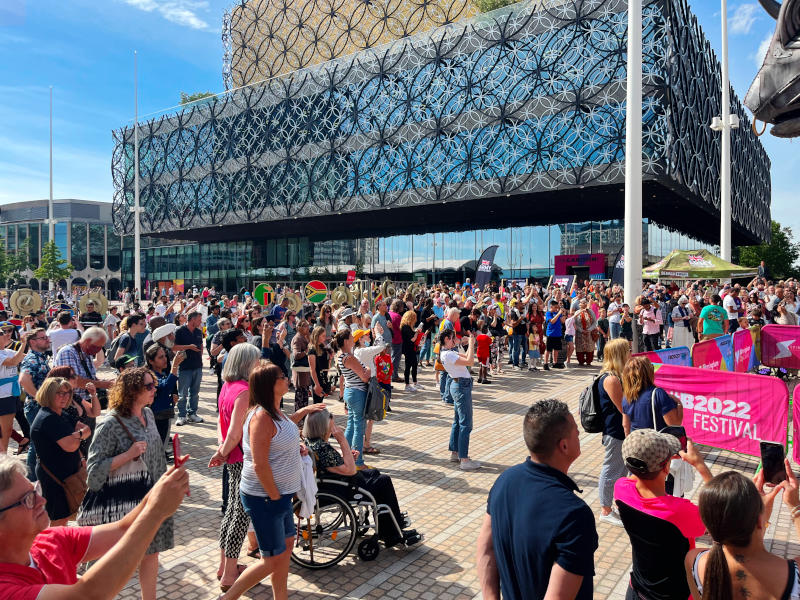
180 421
410 388
454 457
612 519
470 465
418 387
195 419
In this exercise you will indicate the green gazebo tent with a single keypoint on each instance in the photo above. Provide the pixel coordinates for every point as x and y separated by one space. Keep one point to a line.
695 264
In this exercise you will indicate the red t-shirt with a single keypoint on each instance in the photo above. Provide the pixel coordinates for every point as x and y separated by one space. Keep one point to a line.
484 343
679 511
56 552
383 370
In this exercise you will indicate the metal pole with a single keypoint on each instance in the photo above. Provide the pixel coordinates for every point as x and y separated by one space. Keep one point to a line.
51 223
633 160
137 260
725 162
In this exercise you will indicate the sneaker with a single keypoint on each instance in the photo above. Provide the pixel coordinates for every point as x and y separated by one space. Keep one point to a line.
486 381
611 519
180 421
418 387
454 457
546 367
412 537
195 419
410 388
470 465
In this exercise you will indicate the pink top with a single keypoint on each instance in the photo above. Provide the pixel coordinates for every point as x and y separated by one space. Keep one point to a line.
227 398
679 511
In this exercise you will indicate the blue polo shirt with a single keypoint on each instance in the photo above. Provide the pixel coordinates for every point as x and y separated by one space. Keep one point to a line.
553 329
641 413
537 520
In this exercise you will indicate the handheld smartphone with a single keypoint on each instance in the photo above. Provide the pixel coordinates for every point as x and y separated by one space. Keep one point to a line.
772 456
28 326
679 432
182 354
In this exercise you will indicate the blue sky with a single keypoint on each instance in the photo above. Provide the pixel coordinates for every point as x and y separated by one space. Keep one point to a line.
84 49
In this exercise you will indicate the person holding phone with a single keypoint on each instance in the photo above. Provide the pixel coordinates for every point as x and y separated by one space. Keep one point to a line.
409 333
736 512
460 389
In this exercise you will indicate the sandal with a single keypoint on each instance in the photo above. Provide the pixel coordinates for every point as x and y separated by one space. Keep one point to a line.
239 567
371 450
23 446
254 553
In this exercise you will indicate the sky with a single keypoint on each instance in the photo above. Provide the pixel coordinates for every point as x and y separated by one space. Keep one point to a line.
84 50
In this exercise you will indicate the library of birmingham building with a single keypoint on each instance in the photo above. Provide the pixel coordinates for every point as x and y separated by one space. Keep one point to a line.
405 136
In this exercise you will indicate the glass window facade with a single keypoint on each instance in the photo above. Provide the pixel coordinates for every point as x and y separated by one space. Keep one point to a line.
60 232
97 246
113 249
78 253
33 236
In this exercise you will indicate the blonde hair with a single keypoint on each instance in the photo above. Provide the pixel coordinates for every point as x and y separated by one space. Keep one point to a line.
637 376
409 318
615 354
46 395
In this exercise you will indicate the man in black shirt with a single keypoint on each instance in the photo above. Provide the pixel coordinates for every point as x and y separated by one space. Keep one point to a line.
91 317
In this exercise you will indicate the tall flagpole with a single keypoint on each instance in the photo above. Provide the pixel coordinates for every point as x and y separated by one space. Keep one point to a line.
633 160
51 224
725 162
137 265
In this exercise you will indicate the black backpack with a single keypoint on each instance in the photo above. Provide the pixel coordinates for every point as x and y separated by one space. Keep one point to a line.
589 408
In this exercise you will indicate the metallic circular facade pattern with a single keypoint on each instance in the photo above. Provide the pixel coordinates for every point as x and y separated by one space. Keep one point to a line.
521 100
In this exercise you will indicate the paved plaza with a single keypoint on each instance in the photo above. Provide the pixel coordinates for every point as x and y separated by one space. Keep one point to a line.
445 504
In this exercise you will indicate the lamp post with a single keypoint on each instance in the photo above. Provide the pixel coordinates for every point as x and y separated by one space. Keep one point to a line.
137 264
633 160
51 224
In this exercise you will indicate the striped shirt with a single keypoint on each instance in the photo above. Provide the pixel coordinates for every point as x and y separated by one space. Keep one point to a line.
351 378
284 459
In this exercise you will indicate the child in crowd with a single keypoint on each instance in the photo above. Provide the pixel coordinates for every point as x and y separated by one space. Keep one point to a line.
484 344
533 349
603 327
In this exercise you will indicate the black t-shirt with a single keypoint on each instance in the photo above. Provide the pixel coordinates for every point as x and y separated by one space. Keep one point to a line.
612 418
90 319
496 329
467 325
559 528
428 325
47 429
183 337
522 327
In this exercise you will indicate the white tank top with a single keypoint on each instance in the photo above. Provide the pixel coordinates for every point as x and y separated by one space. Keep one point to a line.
284 459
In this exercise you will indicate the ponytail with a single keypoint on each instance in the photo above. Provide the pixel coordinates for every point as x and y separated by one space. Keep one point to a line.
717 578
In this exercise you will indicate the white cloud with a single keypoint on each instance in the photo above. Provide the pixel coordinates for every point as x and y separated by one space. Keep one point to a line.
763 47
743 18
180 12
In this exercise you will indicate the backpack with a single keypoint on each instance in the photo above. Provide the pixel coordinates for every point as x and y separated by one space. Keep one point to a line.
375 406
591 414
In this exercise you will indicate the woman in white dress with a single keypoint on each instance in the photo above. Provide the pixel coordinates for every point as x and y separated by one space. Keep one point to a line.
681 332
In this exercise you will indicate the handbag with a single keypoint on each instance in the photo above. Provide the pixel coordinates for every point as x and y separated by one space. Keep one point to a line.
122 491
74 486
681 471
102 394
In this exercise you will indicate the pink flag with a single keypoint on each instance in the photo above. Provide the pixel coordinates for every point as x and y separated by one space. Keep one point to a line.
727 410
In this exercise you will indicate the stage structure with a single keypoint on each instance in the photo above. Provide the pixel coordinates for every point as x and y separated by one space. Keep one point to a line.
524 106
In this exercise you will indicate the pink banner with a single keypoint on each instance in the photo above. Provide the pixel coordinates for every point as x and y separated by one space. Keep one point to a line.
679 355
796 425
744 351
731 411
780 346
715 354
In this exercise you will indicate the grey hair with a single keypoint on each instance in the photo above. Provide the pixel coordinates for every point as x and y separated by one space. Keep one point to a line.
453 312
224 321
93 334
240 361
8 466
316 425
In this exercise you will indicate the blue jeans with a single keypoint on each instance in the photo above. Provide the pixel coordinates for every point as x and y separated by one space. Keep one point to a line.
188 389
613 468
461 391
425 351
31 409
397 354
515 347
444 387
615 330
356 401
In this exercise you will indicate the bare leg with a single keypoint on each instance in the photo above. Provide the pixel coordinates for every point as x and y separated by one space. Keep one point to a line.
6 425
280 576
277 566
148 576
368 434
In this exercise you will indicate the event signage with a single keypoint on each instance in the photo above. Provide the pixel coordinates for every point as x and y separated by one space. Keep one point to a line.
264 294
731 411
563 281
679 355
780 346
483 270
316 291
351 277
744 350
716 354
796 424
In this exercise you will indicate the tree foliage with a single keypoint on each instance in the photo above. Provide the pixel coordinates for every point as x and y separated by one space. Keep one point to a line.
189 98
489 5
18 261
779 255
53 266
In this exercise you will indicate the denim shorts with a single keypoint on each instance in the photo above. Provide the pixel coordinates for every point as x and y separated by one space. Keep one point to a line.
273 521
8 405
569 338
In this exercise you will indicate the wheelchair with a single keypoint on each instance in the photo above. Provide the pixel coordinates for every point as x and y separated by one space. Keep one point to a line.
343 513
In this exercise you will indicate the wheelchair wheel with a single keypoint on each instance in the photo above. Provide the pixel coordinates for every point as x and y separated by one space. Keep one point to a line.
368 549
328 536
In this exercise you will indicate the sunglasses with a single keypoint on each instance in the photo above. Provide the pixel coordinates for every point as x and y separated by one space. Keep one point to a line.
64 392
149 386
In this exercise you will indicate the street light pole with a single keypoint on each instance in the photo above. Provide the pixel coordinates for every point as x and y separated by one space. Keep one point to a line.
51 223
633 159
137 264
725 162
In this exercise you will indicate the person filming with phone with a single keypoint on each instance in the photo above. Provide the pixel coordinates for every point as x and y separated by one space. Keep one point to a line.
661 527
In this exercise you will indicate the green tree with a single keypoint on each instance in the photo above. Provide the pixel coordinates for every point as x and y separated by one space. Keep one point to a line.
189 98
52 266
489 5
3 264
779 255
18 262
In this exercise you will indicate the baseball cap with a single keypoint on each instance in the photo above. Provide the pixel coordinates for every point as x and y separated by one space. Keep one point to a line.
124 360
646 450
359 333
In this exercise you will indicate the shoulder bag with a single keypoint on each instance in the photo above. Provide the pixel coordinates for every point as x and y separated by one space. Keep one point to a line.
102 394
74 486
122 491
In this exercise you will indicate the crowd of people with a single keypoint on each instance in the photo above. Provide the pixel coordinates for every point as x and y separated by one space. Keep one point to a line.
96 397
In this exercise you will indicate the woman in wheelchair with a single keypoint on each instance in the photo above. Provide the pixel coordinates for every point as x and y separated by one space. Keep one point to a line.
318 429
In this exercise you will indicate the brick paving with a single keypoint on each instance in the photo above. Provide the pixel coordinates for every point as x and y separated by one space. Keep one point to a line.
445 504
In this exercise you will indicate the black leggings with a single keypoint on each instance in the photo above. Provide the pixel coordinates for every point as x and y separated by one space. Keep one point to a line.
23 422
411 365
380 485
